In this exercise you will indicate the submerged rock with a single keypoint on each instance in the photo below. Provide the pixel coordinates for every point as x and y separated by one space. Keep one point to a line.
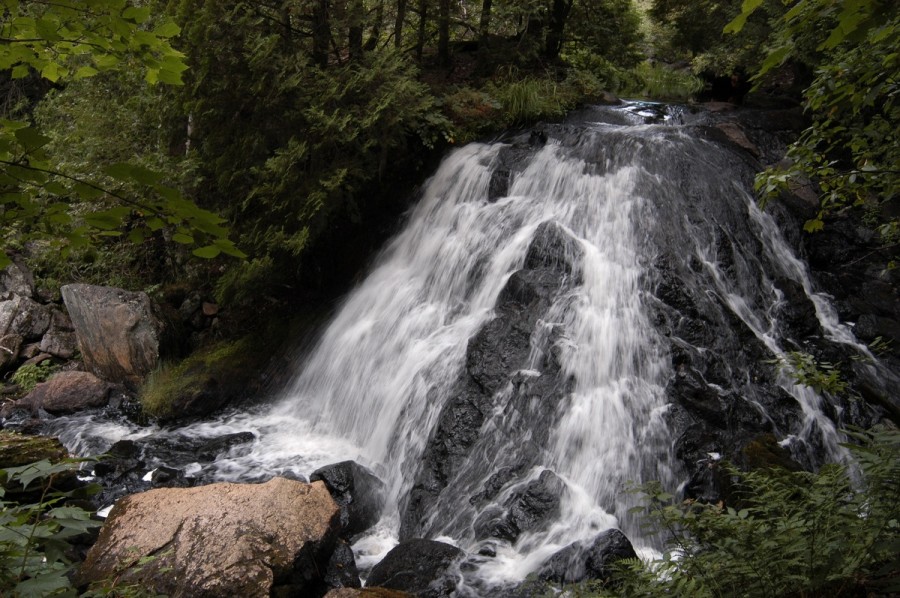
218 540
424 568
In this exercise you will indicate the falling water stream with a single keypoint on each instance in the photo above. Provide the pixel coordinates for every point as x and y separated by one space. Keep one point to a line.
624 197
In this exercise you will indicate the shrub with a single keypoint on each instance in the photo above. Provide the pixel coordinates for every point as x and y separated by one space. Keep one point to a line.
28 376
36 538
831 533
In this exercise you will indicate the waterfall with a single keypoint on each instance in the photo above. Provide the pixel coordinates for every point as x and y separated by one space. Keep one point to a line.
573 302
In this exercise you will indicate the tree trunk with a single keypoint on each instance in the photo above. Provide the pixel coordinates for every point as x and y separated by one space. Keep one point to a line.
558 15
356 18
375 34
423 21
444 32
484 26
321 29
398 24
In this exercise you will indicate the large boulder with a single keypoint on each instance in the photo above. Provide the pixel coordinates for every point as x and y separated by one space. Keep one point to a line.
249 540
120 333
357 490
68 392
580 561
424 568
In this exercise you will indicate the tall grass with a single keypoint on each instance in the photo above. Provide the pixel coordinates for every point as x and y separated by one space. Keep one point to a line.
660 82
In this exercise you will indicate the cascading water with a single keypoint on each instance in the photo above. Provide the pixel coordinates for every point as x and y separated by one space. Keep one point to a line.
563 314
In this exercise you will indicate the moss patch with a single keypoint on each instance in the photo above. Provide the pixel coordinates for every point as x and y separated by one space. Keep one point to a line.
18 449
207 379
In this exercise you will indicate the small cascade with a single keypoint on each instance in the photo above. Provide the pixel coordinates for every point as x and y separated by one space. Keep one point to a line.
562 316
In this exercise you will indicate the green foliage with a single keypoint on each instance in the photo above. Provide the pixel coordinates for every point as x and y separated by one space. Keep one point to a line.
472 112
849 153
661 82
68 41
239 283
35 538
609 29
28 376
527 100
821 376
171 382
692 31
281 146
834 533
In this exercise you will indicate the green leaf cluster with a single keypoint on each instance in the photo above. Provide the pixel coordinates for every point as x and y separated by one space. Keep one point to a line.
850 154
36 538
831 533
28 376
65 42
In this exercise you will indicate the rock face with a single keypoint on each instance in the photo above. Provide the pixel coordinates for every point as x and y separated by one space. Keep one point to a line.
528 509
120 333
16 280
423 568
588 560
68 392
219 540
494 360
358 492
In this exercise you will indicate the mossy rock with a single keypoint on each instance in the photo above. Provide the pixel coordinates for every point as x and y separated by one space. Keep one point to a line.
18 449
765 452
207 380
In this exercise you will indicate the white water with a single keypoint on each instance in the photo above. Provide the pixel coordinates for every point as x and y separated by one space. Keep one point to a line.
373 387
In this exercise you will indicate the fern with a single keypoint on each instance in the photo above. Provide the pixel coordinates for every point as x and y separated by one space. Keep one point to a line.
787 533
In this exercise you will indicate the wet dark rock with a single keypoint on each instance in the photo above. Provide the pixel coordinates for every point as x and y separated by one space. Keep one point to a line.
553 248
528 509
342 571
494 357
538 503
424 568
169 477
594 560
494 484
211 449
164 457
797 312
358 492
510 159
537 138
691 391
